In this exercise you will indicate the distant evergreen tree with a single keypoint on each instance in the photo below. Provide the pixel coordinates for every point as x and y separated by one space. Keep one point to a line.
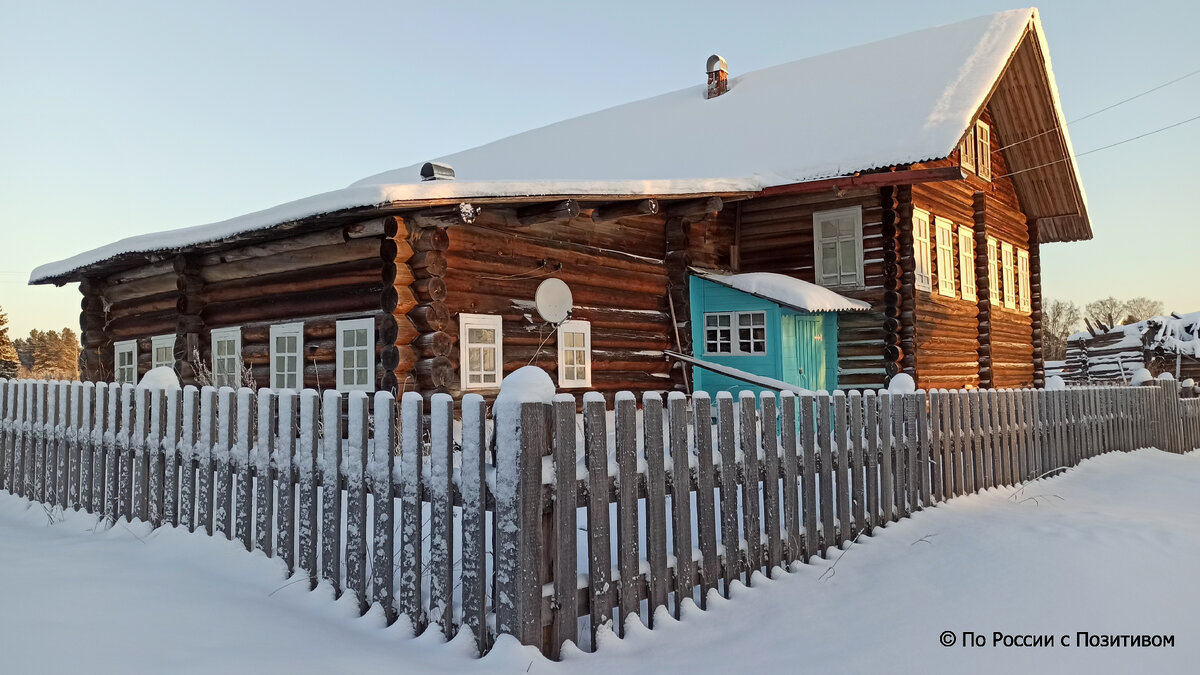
49 355
9 361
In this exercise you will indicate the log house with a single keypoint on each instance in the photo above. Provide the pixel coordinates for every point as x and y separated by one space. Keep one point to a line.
423 278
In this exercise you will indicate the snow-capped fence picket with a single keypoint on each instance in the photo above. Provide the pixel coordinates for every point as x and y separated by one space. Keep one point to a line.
566 517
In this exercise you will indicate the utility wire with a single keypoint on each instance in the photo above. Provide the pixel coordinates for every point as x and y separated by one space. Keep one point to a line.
1108 107
1103 147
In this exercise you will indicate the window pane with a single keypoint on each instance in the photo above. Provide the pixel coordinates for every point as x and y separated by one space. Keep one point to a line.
828 229
849 258
474 359
845 227
489 378
489 359
829 257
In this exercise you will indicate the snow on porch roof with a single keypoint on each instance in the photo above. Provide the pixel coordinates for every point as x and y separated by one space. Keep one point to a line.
790 123
787 291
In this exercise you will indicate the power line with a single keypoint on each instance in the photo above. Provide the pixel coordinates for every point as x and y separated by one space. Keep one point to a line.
1097 112
1103 147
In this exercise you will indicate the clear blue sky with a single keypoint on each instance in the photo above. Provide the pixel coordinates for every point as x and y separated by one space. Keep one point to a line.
120 118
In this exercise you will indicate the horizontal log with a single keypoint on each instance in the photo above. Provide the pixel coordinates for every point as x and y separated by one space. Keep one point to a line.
296 242
435 373
395 251
432 289
442 216
430 317
618 210
431 345
695 207
397 299
353 273
398 359
161 283
140 272
376 227
308 258
295 306
429 239
537 214
428 264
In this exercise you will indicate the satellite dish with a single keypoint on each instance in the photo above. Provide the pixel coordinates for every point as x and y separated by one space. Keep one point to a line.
553 300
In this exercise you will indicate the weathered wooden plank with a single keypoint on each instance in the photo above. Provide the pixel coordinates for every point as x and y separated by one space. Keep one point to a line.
943 487
810 513
965 454
595 436
157 456
924 460
887 458
383 544
357 445
85 442
987 437
628 546
825 469
188 434
39 440
64 436
441 513
727 451
792 526
9 389
855 462
656 503
244 485
841 468
871 430
300 478
264 484
331 491
223 464
118 468
748 477
566 598
410 603
522 442
770 447
681 496
139 463
205 459
285 459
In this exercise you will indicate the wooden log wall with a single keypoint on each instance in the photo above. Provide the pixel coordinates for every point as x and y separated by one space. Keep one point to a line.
397 334
317 277
908 278
1035 297
776 235
423 310
892 354
702 241
96 356
618 279
957 343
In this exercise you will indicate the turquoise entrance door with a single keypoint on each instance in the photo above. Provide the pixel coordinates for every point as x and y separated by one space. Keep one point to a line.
805 351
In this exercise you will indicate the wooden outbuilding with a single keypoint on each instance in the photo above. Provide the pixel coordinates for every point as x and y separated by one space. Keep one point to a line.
917 177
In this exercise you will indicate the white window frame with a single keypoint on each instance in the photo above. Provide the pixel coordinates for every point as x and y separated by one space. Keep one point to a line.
217 336
492 322
1010 286
125 347
983 150
921 251
945 256
340 348
854 239
735 343
162 342
993 249
584 328
1024 302
966 262
286 330
966 150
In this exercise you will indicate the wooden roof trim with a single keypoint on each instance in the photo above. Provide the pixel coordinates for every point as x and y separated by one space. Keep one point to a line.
899 177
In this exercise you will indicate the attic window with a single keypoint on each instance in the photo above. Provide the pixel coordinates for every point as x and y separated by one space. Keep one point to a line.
983 150
966 151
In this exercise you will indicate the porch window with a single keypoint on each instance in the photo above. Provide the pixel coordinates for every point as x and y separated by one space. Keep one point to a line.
1025 302
1010 286
924 280
945 257
481 354
966 261
983 150
993 271
838 243
125 362
287 355
227 357
735 333
575 354
356 355
162 351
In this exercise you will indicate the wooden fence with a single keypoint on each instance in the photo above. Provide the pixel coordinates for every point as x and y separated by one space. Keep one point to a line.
525 524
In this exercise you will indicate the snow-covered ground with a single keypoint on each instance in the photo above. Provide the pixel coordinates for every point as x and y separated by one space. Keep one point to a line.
1111 547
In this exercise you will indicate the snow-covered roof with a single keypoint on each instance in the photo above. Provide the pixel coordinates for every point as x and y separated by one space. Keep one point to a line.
790 123
787 291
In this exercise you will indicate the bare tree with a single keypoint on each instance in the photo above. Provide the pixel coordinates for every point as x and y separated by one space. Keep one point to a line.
1140 309
1105 313
1060 318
